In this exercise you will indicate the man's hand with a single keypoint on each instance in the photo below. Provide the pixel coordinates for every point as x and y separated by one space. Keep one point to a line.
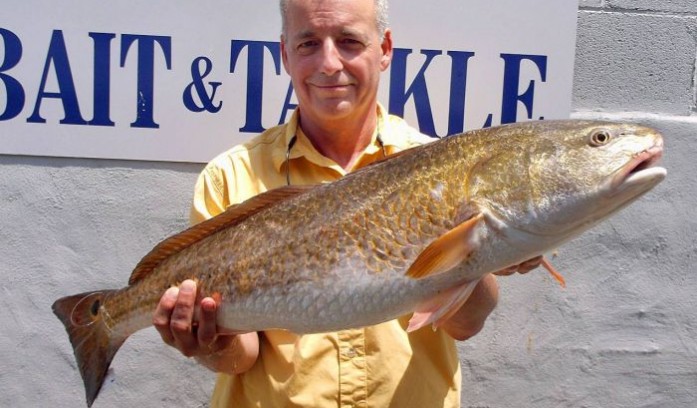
531 264
174 320
522 268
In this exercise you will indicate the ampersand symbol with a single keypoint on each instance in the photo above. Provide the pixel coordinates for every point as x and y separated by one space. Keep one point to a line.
197 83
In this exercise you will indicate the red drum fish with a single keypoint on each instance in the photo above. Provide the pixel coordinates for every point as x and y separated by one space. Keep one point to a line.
411 234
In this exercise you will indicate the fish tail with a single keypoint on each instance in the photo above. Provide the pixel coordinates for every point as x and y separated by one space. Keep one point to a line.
94 343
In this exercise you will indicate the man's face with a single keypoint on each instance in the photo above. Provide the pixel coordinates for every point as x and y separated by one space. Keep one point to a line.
333 53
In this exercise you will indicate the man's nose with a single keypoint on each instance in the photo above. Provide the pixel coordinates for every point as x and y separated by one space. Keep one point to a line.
331 58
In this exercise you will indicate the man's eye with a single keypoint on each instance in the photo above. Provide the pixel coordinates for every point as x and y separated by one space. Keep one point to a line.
307 47
351 42
307 44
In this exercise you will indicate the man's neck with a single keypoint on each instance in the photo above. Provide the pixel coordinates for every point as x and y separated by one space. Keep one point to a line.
343 141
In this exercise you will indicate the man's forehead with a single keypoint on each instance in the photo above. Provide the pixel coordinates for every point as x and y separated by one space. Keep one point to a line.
329 4
334 25
338 31
330 13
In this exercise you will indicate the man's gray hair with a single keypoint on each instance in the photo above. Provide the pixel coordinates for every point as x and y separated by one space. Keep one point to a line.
381 19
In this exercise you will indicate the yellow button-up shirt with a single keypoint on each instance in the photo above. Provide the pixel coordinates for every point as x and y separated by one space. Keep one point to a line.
377 366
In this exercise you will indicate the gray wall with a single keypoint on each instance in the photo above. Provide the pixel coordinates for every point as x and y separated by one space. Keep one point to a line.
623 333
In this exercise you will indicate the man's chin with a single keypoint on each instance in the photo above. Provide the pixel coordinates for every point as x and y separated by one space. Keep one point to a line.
335 108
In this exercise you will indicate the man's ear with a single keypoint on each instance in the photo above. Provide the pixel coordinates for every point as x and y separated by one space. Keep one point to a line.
386 47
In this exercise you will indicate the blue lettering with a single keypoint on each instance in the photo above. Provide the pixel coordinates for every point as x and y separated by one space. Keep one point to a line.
511 81
13 88
58 57
255 77
102 78
199 87
399 94
146 73
458 90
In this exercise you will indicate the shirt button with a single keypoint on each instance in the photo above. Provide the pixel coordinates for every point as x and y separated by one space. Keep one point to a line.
350 353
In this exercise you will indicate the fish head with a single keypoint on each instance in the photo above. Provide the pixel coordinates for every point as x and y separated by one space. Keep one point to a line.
565 176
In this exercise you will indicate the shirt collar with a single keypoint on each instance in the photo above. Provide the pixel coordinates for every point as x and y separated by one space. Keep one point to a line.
302 147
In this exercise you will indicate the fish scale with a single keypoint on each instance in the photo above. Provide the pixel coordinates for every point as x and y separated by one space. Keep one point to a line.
413 233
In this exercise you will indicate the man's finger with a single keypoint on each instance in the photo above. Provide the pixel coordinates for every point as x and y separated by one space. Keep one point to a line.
507 271
530 264
182 319
162 315
207 325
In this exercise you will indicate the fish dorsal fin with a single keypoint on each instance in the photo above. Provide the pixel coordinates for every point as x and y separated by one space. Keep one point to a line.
231 216
393 155
448 250
387 158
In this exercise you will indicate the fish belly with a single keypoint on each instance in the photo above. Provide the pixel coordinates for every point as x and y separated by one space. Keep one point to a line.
316 307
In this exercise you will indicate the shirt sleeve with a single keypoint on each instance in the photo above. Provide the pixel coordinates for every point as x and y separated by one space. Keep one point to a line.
209 197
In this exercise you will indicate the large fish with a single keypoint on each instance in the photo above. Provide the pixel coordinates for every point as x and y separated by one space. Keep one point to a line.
411 234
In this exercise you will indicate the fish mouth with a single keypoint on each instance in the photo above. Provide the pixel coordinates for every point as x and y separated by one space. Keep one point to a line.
641 173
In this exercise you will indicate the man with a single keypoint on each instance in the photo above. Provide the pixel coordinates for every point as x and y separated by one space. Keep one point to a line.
334 52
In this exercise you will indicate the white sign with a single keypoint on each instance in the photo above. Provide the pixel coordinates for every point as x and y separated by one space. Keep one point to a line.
183 81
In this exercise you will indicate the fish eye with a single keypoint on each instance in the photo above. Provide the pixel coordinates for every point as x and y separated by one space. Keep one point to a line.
95 308
600 137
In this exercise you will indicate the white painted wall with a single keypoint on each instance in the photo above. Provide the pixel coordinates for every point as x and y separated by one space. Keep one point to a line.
623 334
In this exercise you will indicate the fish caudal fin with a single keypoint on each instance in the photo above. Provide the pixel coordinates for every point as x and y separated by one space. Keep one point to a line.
94 343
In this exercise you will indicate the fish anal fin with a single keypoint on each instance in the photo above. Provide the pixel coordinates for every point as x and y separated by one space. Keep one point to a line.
233 215
442 307
447 251
94 343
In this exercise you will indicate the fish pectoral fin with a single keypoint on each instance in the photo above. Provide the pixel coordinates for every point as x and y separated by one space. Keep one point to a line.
448 250
442 307
553 271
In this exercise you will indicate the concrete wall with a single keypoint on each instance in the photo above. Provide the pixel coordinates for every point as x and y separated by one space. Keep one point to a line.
623 334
